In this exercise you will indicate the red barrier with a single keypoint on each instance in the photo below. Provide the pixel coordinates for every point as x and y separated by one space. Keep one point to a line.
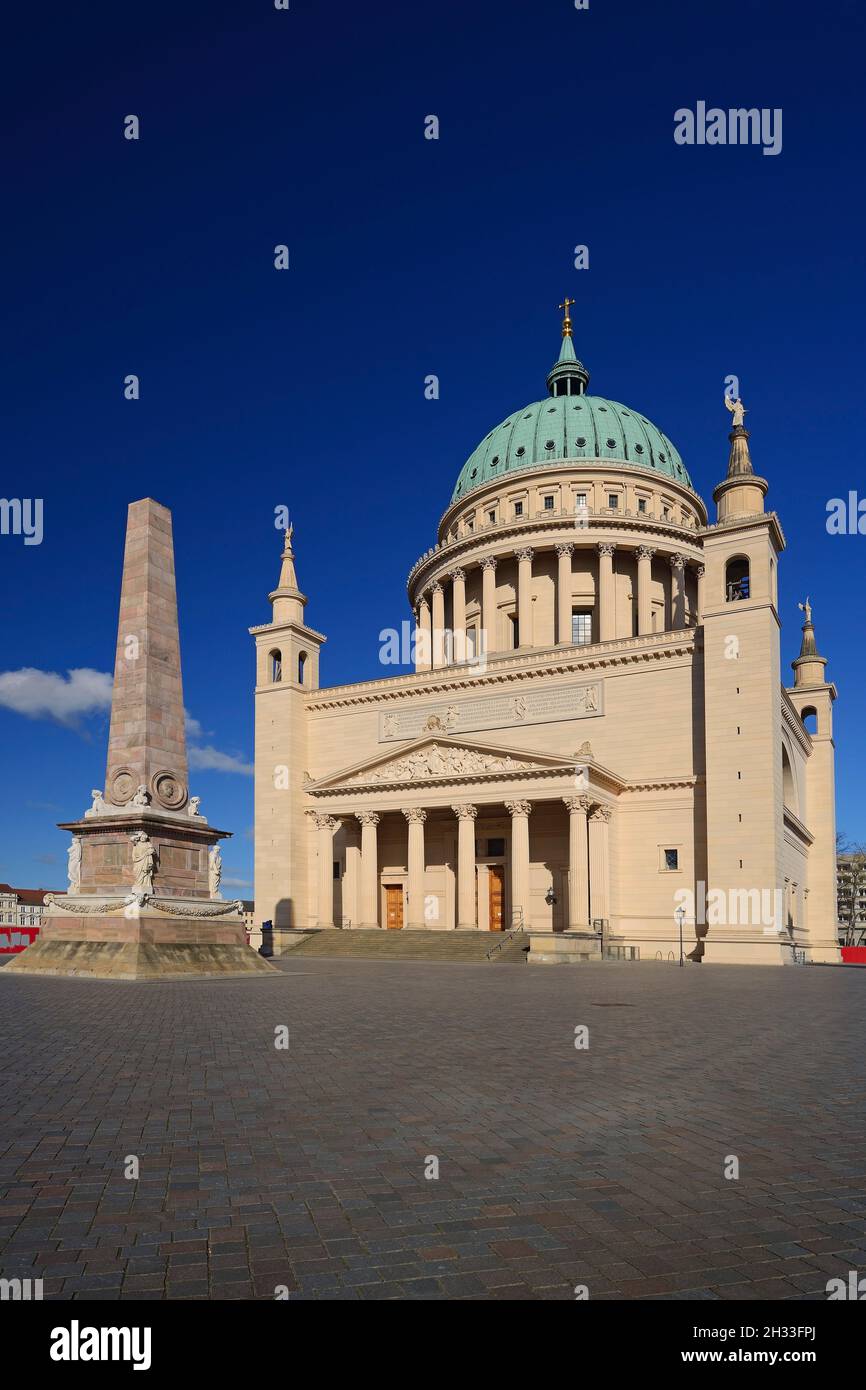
15 939
854 955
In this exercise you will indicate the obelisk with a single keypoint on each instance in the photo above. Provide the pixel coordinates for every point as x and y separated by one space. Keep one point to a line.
144 865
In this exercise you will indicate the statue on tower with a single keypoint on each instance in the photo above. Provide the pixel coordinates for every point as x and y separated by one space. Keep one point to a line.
806 608
737 409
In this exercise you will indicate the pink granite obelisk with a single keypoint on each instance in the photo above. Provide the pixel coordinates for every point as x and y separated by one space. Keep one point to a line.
144 865
147 740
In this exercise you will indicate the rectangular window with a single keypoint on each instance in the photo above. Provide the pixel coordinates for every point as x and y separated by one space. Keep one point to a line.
612 501
470 525
336 868
471 643
580 499
672 859
581 628
491 517
495 848
515 631
641 505
548 504
518 509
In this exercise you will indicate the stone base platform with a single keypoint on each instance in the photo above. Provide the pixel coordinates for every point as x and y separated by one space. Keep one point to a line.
148 944
562 948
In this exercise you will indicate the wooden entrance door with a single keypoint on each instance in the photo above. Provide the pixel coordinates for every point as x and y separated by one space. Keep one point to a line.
496 896
393 906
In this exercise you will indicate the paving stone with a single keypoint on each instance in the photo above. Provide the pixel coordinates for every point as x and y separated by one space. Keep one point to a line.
556 1168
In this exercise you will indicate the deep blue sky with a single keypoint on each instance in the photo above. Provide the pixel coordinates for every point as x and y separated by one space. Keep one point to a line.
305 388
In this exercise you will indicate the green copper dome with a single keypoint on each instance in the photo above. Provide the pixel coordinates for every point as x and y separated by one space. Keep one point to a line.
567 427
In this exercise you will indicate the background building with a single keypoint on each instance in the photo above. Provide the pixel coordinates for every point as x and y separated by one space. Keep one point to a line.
851 890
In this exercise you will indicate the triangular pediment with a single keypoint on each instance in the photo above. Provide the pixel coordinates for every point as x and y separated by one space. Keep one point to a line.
431 759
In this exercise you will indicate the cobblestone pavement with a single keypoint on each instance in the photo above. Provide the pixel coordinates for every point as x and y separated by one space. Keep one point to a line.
557 1166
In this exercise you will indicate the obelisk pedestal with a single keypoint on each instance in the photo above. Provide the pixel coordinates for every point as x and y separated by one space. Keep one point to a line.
144 865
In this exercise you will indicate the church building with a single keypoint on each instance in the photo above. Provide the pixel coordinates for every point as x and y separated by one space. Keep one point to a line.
597 744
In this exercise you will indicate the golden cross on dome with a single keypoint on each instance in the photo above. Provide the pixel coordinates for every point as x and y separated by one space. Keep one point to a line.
566 322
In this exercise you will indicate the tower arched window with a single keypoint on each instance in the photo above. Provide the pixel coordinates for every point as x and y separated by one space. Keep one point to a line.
810 719
737 579
276 661
302 662
789 785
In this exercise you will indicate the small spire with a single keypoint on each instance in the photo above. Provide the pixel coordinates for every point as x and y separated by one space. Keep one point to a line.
807 646
739 459
287 600
809 665
288 579
568 376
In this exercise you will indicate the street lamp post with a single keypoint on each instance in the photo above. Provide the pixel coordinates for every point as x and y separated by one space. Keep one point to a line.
680 915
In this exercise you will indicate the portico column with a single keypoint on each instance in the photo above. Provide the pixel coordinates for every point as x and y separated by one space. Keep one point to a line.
519 812
423 645
326 827
563 593
369 868
599 863
578 862
645 555
465 865
700 571
606 595
678 591
438 624
524 596
488 603
458 610
416 818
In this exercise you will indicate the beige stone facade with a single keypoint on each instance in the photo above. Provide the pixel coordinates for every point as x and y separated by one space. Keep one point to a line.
596 733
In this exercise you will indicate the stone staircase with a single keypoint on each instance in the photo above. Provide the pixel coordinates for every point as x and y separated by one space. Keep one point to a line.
360 944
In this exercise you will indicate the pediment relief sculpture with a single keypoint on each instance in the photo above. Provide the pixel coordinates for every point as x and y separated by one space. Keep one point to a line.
439 761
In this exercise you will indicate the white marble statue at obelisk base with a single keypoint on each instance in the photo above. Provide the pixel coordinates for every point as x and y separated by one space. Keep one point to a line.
144 865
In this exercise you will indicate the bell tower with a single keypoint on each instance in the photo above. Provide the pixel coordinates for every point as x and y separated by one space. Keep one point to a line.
743 715
812 696
287 669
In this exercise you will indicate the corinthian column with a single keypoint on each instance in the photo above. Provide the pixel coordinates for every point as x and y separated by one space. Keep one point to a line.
423 641
458 610
701 571
488 603
606 593
678 591
645 555
563 593
599 863
438 624
416 818
519 812
369 868
326 826
524 596
578 862
465 865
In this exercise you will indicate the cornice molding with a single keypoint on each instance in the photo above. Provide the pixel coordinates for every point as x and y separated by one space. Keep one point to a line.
452 681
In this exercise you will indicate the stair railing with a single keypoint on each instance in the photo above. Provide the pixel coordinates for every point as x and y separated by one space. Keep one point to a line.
517 926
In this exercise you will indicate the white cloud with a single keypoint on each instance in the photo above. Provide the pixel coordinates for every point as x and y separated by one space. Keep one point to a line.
48 695
209 759
66 699
193 726
237 883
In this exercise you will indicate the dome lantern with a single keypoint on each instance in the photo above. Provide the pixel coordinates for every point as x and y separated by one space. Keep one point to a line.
568 376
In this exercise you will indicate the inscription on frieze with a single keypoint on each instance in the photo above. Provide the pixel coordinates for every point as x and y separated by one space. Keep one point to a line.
471 714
